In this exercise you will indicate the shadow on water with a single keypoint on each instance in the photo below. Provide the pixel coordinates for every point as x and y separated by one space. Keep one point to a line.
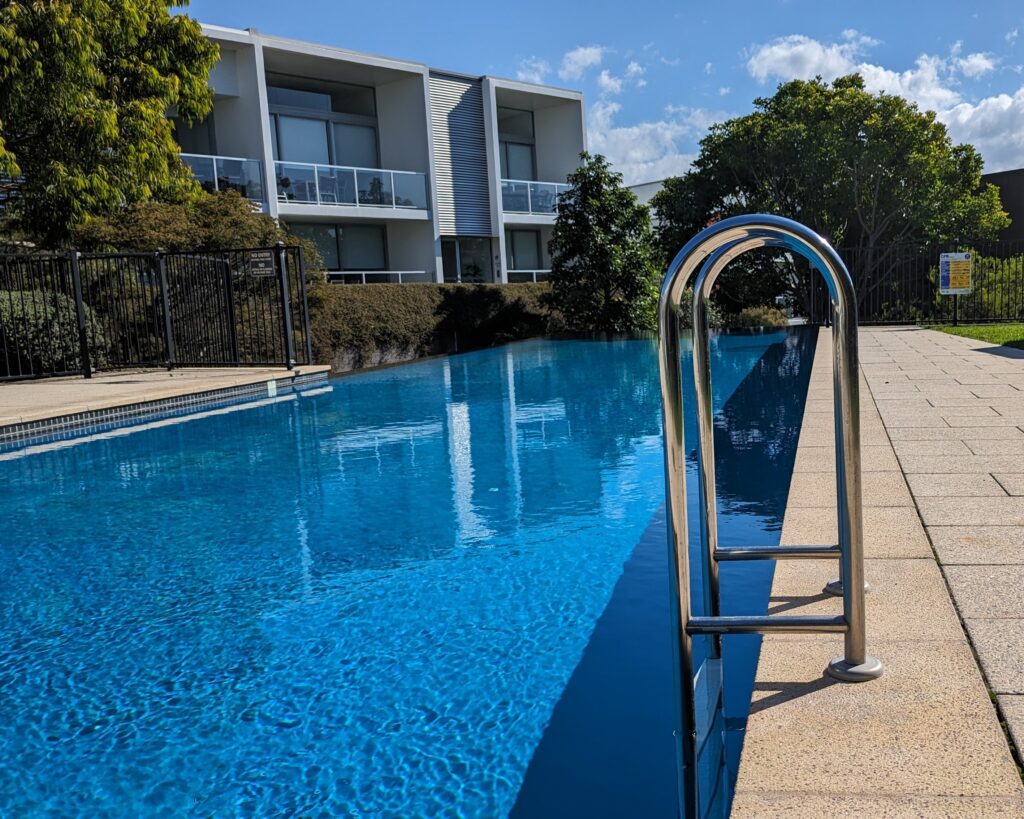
609 748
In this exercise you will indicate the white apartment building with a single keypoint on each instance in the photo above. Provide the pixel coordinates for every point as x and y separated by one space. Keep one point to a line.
398 172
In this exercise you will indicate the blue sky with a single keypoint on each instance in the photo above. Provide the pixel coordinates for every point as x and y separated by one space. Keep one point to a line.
655 74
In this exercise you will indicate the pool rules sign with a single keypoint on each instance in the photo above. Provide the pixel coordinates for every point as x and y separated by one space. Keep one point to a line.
955 273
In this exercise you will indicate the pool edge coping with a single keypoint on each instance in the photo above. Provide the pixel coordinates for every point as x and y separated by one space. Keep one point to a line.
183 401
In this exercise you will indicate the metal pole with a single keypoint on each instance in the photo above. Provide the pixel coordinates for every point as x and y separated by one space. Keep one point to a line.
675 513
286 305
305 305
165 302
229 301
83 330
956 311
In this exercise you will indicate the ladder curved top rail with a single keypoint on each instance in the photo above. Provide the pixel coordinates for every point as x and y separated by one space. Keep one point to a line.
775 230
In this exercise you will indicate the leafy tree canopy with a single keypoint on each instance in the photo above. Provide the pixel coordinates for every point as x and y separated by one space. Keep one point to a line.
217 221
865 170
85 86
604 267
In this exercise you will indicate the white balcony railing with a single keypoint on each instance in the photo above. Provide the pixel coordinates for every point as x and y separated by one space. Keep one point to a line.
311 184
378 276
219 173
537 198
528 275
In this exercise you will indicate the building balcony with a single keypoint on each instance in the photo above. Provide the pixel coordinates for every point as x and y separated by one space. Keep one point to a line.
378 276
219 173
302 183
532 198
515 276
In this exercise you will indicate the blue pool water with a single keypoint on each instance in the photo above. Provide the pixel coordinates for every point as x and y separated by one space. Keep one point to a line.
403 598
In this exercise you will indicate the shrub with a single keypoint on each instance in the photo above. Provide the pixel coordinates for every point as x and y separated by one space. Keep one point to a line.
218 221
363 325
41 329
763 316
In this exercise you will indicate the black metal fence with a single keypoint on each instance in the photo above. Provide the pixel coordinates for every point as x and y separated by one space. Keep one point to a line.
79 313
899 284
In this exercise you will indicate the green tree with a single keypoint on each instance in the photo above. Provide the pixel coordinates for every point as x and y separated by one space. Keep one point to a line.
217 221
85 86
864 170
604 271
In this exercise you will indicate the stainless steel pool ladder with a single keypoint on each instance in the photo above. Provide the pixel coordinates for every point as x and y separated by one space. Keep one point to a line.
698 265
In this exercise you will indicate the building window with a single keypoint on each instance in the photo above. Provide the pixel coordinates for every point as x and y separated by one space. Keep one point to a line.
467 259
346 246
197 138
522 247
516 144
323 123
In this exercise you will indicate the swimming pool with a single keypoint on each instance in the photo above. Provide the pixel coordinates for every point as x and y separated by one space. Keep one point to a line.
397 598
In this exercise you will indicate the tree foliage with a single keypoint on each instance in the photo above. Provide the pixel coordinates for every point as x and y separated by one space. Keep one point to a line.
864 170
85 86
604 271
216 221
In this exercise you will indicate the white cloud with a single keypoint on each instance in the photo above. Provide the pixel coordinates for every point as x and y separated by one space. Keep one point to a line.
576 62
799 57
725 89
533 69
995 125
708 68
1011 36
634 70
975 65
647 150
925 84
607 83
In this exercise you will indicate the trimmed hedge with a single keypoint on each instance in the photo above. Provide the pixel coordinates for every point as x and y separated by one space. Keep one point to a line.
357 325
41 333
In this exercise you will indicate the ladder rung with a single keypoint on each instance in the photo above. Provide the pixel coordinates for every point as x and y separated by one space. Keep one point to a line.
765 624
775 552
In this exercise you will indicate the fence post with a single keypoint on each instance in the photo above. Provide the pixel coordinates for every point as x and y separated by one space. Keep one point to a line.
305 306
165 302
229 296
83 331
286 305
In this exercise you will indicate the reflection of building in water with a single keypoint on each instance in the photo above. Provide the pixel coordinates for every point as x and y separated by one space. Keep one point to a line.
502 440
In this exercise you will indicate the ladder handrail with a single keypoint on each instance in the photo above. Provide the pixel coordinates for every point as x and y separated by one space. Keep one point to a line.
699 264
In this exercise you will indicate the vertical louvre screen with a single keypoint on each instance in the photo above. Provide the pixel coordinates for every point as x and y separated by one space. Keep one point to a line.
460 148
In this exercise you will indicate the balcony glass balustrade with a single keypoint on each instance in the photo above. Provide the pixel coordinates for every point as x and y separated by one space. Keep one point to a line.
219 173
537 198
309 184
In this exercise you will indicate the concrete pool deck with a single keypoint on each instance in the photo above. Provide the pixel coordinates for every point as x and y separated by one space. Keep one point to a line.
925 739
25 401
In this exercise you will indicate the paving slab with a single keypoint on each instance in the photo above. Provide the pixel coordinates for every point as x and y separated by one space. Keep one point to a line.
1000 646
967 545
915 742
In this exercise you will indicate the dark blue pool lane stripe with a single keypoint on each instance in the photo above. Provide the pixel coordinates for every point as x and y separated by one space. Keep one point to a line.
608 750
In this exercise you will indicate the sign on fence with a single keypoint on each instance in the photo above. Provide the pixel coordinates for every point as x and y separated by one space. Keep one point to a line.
261 263
955 273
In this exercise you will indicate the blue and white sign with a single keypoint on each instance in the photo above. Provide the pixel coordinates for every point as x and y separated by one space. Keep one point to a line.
955 271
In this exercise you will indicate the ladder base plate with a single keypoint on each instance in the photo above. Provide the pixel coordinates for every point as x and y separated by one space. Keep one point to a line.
870 669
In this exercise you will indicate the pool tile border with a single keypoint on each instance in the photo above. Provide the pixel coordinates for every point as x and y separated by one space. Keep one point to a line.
24 434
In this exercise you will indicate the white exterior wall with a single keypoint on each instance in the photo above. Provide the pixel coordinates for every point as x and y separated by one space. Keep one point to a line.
242 129
560 138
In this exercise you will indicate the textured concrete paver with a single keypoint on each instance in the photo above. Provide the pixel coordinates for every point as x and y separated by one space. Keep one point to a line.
977 534
924 740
